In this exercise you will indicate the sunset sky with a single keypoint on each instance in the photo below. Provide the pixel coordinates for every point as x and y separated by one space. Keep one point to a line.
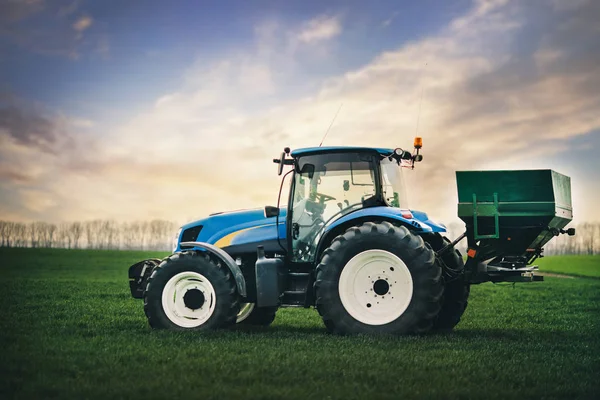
175 109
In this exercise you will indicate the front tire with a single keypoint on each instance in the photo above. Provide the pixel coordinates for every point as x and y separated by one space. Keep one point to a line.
378 278
190 291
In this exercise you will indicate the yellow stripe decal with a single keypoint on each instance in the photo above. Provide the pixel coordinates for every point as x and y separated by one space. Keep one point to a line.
226 240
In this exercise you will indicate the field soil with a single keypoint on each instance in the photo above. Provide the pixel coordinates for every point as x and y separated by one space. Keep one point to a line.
69 329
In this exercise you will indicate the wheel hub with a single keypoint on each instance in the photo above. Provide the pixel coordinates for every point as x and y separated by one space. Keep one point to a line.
194 299
381 287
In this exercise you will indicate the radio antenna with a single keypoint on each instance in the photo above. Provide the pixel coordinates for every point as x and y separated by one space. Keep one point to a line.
331 124
420 101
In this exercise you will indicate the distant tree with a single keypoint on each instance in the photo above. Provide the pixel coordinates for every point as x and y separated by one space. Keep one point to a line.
588 233
75 232
4 233
33 233
111 234
130 234
20 234
91 233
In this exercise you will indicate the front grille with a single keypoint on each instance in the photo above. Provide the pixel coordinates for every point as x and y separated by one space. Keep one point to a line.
190 235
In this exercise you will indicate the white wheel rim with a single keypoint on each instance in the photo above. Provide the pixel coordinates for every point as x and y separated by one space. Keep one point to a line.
372 272
174 299
245 311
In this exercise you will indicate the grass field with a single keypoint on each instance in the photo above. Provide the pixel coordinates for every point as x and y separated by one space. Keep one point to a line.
69 329
584 266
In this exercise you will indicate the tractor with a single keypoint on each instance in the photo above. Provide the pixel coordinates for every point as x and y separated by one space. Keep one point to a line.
348 245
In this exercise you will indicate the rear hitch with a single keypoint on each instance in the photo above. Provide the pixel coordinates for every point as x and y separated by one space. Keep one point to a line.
451 244
500 269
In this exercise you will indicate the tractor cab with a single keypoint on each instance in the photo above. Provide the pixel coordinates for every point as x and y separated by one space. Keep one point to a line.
329 183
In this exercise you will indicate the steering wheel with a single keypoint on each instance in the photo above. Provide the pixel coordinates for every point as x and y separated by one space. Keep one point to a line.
323 197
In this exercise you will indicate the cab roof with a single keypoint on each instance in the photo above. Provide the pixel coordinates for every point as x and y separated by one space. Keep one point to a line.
339 149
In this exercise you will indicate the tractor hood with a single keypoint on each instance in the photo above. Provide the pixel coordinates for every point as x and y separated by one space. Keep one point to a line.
226 229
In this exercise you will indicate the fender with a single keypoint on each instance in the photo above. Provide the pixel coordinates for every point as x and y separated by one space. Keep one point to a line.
225 258
420 223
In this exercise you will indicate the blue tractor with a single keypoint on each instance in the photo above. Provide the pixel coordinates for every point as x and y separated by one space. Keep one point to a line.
346 243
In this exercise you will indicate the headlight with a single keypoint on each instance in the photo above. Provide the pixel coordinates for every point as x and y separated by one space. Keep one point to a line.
176 240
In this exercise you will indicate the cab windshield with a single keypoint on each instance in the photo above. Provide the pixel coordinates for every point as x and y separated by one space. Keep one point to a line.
394 191
327 187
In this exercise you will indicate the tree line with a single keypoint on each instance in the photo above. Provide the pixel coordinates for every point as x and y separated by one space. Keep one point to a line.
159 235
96 234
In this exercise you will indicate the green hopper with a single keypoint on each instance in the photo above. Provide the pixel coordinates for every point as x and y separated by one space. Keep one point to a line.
509 217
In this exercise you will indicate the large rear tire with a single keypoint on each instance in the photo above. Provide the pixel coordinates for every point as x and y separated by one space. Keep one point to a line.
378 278
254 316
190 291
456 287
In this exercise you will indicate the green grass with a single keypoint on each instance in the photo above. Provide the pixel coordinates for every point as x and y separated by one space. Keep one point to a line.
69 329
586 266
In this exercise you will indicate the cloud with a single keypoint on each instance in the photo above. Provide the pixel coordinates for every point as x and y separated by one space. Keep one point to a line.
17 10
48 28
68 9
505 83
27 125
319 29
36 146
83 23
388 21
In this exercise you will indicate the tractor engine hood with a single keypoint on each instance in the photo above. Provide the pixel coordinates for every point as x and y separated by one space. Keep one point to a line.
227 229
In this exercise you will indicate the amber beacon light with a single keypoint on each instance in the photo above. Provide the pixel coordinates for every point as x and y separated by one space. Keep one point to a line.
418 142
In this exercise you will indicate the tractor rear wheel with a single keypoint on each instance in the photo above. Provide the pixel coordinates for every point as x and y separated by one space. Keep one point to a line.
378 278
256 316
456 287
190 291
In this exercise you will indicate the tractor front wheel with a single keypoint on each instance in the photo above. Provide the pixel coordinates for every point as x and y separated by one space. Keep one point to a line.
190 291
378 278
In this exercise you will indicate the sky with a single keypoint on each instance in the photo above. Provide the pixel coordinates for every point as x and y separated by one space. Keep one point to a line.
149 109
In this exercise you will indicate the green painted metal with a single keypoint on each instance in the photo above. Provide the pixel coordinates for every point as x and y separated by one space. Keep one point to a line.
495 214
512 212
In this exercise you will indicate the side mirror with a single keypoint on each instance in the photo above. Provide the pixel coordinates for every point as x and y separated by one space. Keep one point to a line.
271 211
418 158
281 161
